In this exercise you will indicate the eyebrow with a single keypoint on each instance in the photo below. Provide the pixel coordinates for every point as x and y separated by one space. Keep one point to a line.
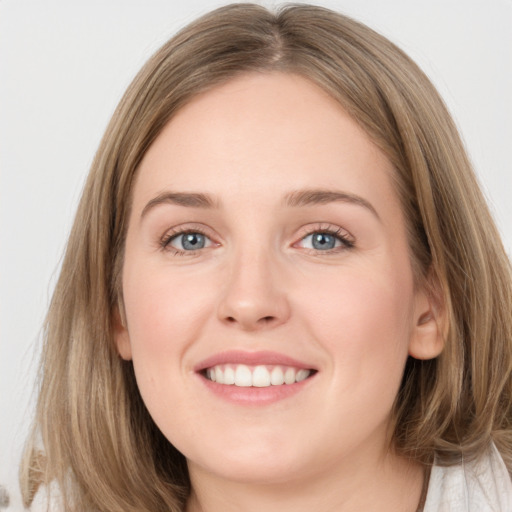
189 199
294 199
312 197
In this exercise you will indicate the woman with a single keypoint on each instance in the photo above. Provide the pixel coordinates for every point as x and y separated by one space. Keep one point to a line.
283 288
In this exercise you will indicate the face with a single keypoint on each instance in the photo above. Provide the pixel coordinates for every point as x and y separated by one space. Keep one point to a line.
269 299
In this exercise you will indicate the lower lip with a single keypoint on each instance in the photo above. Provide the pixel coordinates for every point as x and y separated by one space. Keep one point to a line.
254 395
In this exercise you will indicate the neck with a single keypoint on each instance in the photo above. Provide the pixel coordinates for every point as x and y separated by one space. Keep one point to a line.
392 484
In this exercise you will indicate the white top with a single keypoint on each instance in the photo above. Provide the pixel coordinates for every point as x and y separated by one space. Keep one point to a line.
483 485
480 486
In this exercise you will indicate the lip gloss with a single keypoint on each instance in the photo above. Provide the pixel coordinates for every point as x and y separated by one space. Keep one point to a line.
253 395
245 389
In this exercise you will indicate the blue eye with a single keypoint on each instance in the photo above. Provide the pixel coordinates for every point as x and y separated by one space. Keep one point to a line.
324 241
189 241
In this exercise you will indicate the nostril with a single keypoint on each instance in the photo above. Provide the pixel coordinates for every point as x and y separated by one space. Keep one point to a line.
265 319
248 323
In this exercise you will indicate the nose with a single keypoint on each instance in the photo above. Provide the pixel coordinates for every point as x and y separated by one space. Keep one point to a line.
254 296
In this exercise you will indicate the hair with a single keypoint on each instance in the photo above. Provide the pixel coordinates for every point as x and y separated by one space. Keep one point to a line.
99 442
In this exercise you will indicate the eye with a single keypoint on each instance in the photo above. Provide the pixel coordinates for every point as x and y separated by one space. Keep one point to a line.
321 241
326 241
187 241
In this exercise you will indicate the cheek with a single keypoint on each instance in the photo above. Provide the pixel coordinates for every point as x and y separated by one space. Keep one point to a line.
166 315
364 321
165 312
363 324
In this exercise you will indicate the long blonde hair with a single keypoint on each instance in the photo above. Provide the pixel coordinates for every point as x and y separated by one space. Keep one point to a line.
99 443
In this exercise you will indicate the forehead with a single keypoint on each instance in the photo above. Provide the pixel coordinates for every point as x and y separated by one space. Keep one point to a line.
264 132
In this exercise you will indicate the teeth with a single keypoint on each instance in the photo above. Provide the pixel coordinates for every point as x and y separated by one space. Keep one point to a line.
289 376
256 376
277 377
302 375
260 377
243 376
229 375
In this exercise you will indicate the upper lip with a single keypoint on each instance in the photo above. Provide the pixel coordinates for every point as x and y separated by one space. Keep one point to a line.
251 359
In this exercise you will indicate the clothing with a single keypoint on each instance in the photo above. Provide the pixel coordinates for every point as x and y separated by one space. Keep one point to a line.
483 485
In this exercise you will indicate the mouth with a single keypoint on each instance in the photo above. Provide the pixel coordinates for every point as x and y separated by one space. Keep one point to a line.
257 376
247 377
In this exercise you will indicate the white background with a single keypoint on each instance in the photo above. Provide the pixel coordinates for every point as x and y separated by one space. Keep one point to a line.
65 64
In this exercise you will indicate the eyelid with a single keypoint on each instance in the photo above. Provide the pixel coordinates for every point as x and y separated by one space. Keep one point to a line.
346 238
182 229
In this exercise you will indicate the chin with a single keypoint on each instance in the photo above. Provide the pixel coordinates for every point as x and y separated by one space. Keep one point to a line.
256 471
255 462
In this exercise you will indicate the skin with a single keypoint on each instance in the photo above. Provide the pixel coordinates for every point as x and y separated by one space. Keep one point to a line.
353 313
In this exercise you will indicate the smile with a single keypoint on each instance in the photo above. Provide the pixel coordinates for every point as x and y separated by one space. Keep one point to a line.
257 378
260 376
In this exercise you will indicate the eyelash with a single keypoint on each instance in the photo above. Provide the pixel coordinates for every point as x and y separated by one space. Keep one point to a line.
346 241
337 232
165 242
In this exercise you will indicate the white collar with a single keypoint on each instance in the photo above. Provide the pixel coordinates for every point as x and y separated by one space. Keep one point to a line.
483 485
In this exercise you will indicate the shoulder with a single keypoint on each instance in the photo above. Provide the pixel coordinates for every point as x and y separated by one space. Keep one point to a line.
483 485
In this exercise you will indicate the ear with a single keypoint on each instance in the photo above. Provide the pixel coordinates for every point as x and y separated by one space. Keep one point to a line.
430 326
121 336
